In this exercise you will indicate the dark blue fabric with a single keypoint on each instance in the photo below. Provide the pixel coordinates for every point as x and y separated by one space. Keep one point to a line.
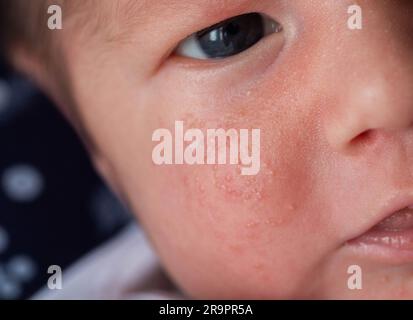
53 207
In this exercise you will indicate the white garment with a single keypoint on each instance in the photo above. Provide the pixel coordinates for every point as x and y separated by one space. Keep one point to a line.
125 267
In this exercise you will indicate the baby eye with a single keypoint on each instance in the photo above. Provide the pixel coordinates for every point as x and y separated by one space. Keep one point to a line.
228 37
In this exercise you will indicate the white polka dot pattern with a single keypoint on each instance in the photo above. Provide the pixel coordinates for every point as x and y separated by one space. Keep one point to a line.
22 183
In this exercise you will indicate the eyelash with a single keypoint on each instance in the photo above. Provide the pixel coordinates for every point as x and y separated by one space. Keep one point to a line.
229 37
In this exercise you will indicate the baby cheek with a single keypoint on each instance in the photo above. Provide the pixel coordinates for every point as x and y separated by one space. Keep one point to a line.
251 206
240 222
245 218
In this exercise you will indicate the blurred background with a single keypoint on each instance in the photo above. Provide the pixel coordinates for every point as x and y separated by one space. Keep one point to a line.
53 206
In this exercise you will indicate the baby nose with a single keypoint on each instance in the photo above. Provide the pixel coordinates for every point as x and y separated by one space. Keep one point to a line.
376 97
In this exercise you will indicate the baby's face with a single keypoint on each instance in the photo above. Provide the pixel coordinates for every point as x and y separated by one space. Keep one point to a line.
334 106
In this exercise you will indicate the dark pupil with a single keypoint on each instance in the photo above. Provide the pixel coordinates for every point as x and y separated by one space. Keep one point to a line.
232 36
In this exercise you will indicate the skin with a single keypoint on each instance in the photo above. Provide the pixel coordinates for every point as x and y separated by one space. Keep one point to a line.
329 101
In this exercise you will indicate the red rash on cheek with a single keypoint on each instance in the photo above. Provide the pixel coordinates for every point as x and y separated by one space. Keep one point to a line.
272 198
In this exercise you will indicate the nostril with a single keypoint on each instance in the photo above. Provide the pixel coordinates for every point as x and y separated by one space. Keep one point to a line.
365 138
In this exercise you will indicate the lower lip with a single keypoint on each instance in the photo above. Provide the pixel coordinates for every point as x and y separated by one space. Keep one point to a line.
387 242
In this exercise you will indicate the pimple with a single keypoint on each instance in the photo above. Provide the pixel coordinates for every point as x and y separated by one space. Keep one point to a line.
258 266
233 186
280 219
199 185
252 224
253 233
290 207
198 189
236 249
386 279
